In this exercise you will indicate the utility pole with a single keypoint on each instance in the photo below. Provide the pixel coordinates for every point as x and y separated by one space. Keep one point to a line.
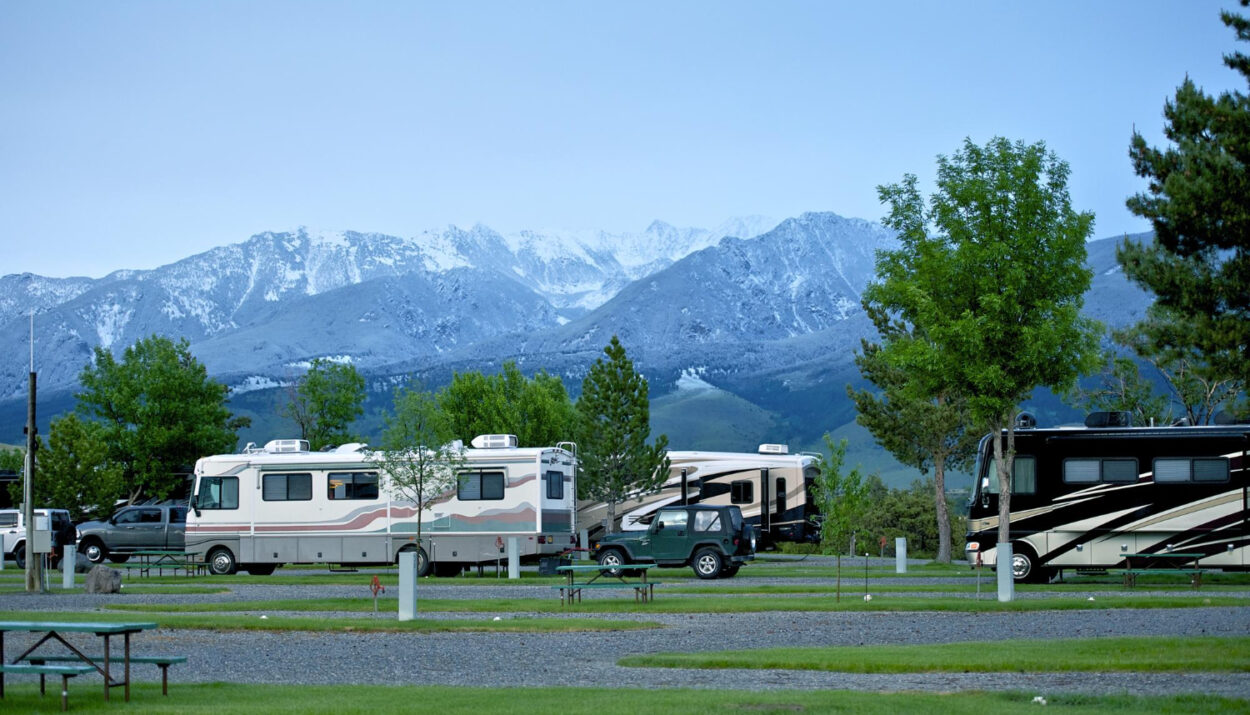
34 577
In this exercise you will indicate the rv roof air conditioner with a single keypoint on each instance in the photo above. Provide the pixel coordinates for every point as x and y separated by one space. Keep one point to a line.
774 449
494 441
283 446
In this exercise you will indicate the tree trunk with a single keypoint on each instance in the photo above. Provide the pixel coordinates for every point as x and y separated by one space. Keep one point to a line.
943 512
1004 458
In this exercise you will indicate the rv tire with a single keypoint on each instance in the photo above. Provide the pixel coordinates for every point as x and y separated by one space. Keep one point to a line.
221 562
1024 568
708 563
423 561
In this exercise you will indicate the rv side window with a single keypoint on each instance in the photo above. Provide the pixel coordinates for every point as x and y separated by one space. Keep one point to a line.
286 487
352 485
1211 470
1123 471
218 493
555 485
479 486
1171 470
1023 479
742 492
781 496
1081 471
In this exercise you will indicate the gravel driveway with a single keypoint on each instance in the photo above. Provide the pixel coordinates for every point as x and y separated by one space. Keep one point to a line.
589 659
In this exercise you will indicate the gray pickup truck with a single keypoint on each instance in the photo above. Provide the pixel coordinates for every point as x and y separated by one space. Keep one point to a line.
133 528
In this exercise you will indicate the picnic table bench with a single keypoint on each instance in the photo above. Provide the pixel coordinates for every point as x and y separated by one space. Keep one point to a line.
160 560
73 664
613 577
1163 562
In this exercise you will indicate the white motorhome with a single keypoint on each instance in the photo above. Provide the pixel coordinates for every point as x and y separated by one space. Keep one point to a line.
772 488
283 504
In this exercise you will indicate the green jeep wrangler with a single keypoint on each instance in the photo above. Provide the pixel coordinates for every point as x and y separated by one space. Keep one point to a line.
713 540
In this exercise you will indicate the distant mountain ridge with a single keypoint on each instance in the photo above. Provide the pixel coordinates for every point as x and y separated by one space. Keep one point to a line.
770 320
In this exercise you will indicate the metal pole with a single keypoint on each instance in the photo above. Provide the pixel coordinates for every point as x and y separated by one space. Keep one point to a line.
33 580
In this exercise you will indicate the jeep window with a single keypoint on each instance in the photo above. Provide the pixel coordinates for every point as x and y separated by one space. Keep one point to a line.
178 515
735 519
8 520
218 493
675 518
742 492
479 486
286 487
707 521
352 485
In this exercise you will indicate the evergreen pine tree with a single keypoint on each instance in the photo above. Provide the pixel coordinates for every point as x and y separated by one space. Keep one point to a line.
614 422
1198 201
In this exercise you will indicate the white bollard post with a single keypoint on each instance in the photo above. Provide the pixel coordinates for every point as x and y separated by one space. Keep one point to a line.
1006 584
900 554
407 585
68 560
514 559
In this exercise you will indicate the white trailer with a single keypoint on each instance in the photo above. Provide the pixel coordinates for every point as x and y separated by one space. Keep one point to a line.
772 487
283 504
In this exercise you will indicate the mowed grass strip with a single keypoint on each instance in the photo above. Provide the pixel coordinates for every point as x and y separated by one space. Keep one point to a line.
247 699
1137 654
850 602
384 622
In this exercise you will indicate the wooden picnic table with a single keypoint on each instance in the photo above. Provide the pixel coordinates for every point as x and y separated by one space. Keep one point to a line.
55 631
619 576
1163 562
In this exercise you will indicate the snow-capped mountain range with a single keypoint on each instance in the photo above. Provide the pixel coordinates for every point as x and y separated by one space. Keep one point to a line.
767 310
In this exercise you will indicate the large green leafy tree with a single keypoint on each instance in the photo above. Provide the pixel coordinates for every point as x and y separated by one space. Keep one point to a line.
1198 200
537 410
992 274
325 402
614 423
160 413
76 471
927 432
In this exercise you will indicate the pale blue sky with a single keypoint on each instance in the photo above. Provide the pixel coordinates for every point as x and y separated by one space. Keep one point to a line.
133 134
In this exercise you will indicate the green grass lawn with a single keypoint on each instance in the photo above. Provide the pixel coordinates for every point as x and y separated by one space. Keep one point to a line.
1140 654
232 699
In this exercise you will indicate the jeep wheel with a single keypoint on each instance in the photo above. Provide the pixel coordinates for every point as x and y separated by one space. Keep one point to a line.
613 557
708 563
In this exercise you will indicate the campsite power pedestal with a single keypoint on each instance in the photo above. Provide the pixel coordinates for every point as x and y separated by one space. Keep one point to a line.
407 585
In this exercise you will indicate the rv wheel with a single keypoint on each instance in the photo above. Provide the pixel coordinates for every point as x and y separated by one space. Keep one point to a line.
221 562
708 563
1024 568
423 561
